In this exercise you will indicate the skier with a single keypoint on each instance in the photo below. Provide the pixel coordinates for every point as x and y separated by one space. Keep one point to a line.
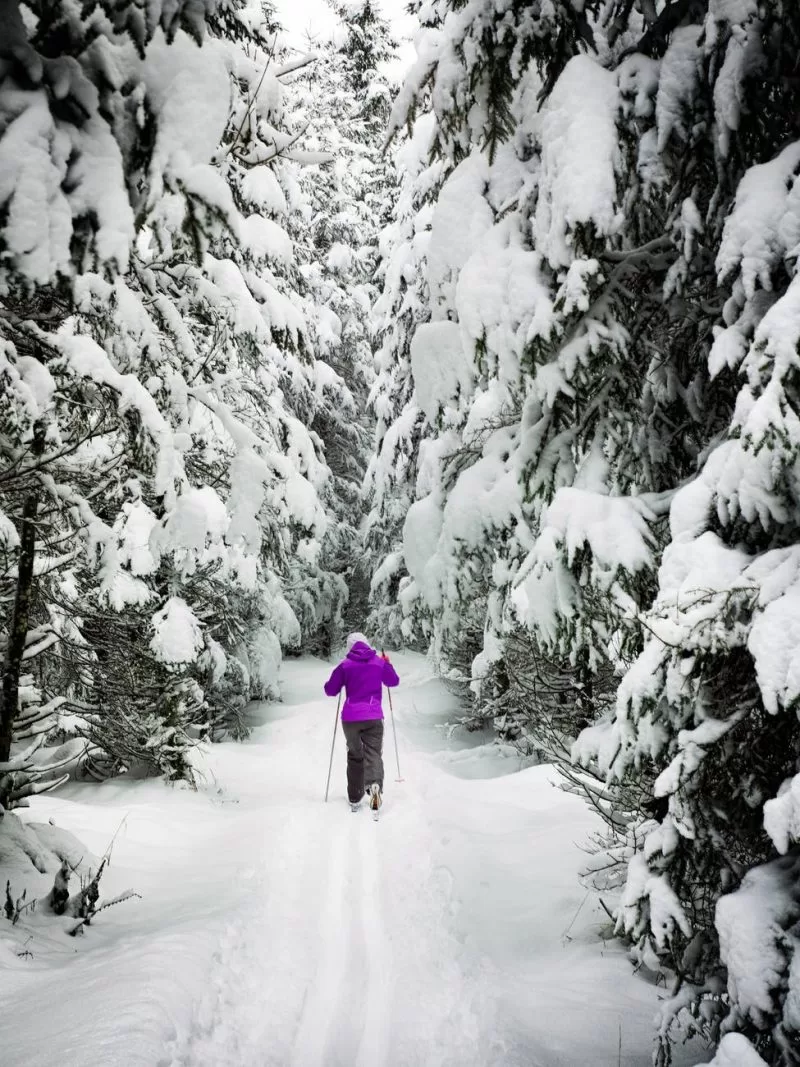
362 673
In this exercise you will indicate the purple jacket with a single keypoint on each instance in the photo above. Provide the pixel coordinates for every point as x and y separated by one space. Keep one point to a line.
362 673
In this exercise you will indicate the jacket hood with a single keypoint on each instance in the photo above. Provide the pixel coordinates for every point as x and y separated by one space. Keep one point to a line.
360 652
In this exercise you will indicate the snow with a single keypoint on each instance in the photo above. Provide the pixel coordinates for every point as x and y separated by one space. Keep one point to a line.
177 637
753 924
264 659
441 367
615 529
303 503
88 360
736 1051
199 516
247 314
691 747
579 158
38 382
461 219
774 643
276 930
9 538
483 500
265 238
763 226
387 570
637 76
247 474
39 224
596 743
544 590
421 532
261 186
690 510
502 301
743 57
188 89
782 815
60 173
29 843
120 589
134 528
666 912
677 84
692 572
215 659
98 191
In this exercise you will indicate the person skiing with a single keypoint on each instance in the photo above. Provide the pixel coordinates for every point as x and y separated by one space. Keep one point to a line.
362 674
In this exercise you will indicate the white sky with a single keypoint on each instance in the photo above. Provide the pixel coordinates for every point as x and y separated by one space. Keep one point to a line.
303 17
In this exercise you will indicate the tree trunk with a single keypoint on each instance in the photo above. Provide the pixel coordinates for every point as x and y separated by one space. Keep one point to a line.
18 629
585 702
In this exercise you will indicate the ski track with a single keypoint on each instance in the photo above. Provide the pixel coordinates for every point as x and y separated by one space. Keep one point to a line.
373 1049
338 1010
346 1013
323 999
340 955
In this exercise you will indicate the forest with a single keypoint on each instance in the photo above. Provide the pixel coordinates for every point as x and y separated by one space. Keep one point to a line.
494 357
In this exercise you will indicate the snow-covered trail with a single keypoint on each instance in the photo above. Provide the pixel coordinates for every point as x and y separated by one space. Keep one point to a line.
278 931
345 959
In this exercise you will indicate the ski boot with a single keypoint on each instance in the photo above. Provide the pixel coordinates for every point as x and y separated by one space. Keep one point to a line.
375 800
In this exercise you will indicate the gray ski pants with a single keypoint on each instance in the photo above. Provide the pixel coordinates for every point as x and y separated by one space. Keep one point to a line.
364 761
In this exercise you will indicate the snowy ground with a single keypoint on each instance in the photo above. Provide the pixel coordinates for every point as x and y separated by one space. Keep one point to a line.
275 930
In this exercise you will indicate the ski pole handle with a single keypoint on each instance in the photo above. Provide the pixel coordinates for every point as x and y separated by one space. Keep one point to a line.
333 742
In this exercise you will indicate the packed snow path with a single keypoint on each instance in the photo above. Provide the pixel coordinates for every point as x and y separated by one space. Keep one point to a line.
345 958
277 931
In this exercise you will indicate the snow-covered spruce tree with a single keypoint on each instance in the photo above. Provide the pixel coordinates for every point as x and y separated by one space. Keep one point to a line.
510 376
75 158
184 498
342 99
580 366
710 706
400 309
231 359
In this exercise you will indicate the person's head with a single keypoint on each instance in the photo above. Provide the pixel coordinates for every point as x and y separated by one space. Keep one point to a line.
354 639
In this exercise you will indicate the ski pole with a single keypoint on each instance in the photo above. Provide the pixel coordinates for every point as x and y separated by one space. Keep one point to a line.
394 728
333 742
394 731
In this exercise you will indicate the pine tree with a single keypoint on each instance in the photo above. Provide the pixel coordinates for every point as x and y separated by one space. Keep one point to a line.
79 153
252 370
183 500
401 307
345 102
594 494
708 707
